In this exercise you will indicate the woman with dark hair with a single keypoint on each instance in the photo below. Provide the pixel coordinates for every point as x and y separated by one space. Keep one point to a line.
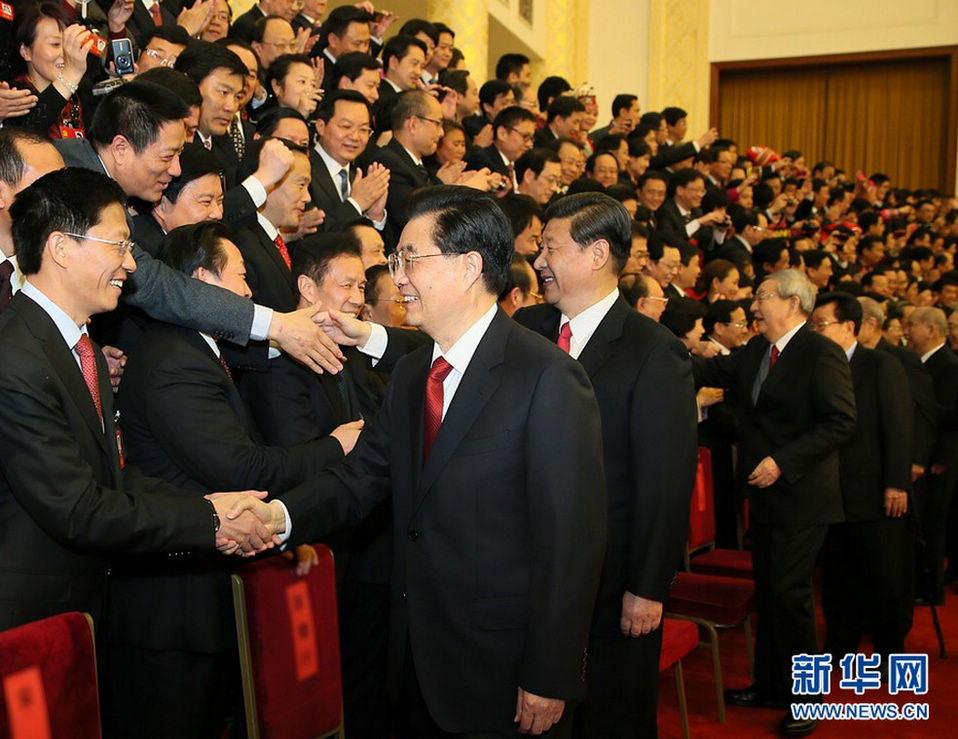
291 81
54 61
719 280
684 318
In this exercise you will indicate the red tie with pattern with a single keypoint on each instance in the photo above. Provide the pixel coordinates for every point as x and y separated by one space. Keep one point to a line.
87 354
565 336
283 251
437 374
155 12
773 357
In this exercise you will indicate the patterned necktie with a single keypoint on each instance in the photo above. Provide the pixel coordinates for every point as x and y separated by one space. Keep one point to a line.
155 12
6 283
511 174
208 143
236 134
565 336
283 251
87 354
343 184
423 173
437 375
225 366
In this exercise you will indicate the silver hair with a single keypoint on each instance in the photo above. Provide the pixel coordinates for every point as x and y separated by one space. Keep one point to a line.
934 317
792 283
872 309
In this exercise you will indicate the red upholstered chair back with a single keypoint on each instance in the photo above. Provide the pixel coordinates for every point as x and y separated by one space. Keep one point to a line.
702 508
289 648
48 671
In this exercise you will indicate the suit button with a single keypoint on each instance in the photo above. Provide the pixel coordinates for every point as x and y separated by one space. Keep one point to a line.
413 534
404 595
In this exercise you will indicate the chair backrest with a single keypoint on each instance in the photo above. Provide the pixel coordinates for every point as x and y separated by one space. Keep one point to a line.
702 508
288 633
48 671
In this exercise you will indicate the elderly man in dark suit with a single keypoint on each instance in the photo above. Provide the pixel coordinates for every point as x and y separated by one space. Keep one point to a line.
66 501
639 372
497 491
796 404
869 558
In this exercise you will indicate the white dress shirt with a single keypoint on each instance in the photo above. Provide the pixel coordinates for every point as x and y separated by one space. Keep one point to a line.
585 324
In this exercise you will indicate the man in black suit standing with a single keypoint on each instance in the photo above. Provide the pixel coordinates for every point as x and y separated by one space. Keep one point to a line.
513 133
497 492
868 562
926 330
639 372
680 215
403 60
796 404
66 500
343 127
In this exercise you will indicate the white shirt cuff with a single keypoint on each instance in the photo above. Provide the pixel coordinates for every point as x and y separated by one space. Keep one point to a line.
692 226
284 537
376 343
256 190
262 318
697 145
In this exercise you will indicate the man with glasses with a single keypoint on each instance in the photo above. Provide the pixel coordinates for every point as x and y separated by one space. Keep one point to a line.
165 44
340 188
244 26
794 398
665 259
681 215
751 228
272 37
513 131
497 492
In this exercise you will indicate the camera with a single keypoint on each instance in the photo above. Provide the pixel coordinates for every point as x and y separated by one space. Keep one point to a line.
123 56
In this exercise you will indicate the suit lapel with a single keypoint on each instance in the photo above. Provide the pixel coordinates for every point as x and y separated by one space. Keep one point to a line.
476 387
416 398
414 170
779 373
609 330
273 252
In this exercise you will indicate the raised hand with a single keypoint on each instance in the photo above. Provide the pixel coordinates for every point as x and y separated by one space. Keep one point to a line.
14 103
298 335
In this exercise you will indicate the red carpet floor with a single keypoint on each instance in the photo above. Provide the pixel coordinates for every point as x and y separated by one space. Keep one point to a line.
744 723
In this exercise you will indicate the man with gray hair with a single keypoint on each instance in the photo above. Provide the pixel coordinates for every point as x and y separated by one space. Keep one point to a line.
926 330
796 405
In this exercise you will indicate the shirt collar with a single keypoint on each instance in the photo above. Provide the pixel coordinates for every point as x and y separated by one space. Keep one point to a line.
212 343
851 351
68 329
393 85
682 211
460 353
585 324
783 341
268 227
927 355
332 165
416 160
723 350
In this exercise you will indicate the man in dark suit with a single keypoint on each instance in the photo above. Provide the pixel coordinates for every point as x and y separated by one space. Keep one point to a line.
417 128
338 187
639 372
564 120
403 60
796 404
143 20
499 516
680 214
65 509
750 230
135 138
170 626
513 133
868 562
926 330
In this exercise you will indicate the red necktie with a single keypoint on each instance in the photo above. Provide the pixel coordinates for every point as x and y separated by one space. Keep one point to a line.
6 283
87 354
226 367
773 357
437 374
283 251
155 12
565 334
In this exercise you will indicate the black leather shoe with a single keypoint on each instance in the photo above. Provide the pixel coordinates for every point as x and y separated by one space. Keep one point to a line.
797 727
752 697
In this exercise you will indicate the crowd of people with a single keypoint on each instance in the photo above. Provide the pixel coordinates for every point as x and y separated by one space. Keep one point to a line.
313 252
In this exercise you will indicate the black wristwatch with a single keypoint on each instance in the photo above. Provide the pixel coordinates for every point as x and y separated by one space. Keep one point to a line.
216 517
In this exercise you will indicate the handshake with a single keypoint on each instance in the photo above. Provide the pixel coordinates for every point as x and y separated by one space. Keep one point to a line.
247 524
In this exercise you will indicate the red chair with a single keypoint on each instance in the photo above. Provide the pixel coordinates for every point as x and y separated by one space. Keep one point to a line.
679 638
712 561
288 634
48 670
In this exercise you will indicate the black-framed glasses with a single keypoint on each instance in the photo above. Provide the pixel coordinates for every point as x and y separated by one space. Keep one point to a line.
431 120
122 247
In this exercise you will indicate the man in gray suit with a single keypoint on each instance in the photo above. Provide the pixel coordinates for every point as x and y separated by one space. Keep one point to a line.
135 138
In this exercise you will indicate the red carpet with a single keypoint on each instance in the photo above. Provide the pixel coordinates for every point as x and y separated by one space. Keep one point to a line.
743 723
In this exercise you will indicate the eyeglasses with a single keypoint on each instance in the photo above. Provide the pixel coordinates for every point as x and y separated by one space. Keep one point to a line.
431 120
822 324
761 296
291 44
405 260
122 247
736 324
526 137
163 61
657 299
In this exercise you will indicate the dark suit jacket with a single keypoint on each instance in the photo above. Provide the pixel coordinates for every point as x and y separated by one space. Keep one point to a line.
639 371
65 504
669 155
925 407
184 421
141 24
669 220
225 151
879 454
266 273
165 293
325 194
735 251
498 536
804 413
943 368
487 157
404 178
544 137
242 27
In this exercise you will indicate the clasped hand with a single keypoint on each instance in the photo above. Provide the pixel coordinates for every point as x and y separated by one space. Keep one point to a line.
248 525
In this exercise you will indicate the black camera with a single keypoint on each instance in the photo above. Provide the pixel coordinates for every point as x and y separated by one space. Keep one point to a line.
123 56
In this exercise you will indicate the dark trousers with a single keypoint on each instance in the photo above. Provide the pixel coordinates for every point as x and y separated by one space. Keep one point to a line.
783 558
932 499
363 638
622 679
413 720
162 694
868 585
